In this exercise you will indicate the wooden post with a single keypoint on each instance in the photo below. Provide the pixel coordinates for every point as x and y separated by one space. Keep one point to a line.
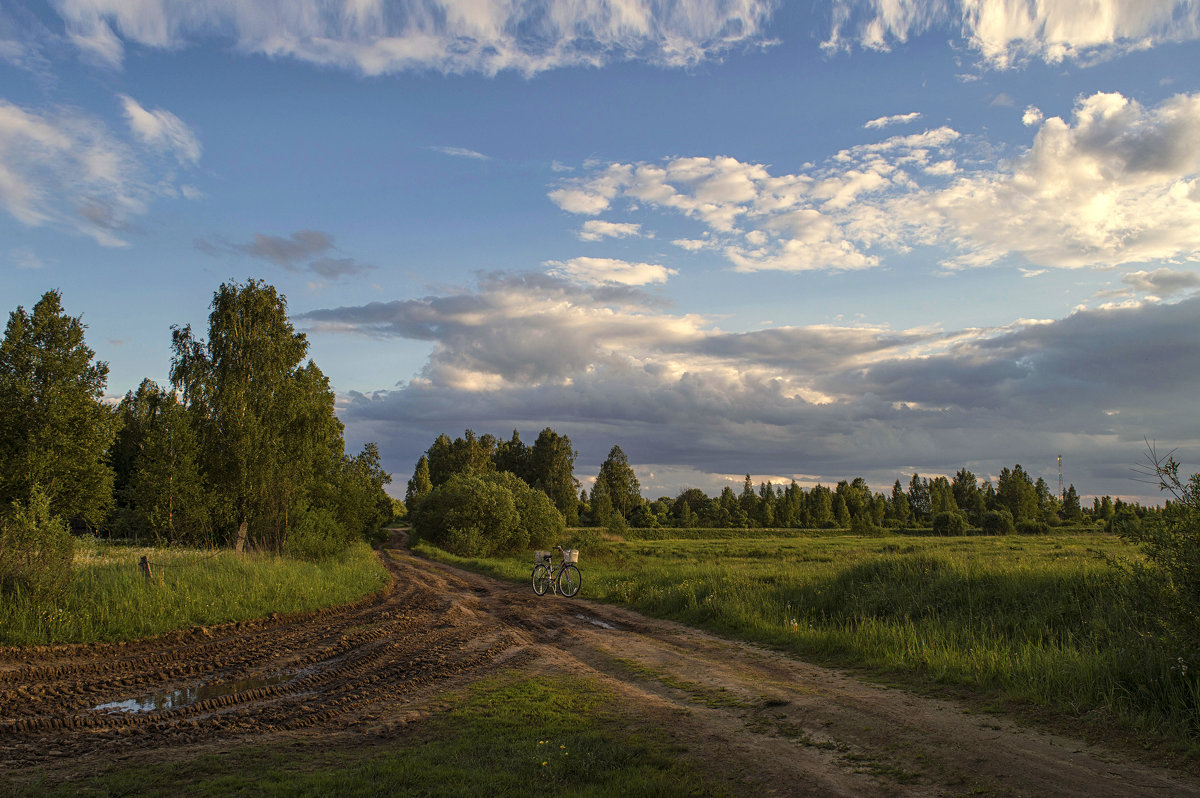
144 565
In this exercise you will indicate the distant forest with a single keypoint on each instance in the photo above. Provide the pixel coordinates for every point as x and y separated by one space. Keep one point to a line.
1016 503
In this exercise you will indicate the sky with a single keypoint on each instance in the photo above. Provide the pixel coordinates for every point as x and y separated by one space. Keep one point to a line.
801 240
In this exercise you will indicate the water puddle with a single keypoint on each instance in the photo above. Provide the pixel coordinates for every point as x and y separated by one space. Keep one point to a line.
189 695
596 621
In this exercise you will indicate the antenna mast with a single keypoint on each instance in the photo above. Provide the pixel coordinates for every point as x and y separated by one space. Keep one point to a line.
1062 494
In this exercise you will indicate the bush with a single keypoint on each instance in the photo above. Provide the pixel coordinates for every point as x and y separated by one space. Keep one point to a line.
997 522
316 535
1028 527
36 550
950 523
1171 543
484 516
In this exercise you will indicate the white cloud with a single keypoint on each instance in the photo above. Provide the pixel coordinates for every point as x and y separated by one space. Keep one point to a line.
462 152
64 168
1118 183
595 230
1007 32
378 37
1032 116
609 271
895 119
161 130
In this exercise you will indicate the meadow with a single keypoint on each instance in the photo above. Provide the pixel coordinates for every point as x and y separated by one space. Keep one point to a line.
109 599
1044 624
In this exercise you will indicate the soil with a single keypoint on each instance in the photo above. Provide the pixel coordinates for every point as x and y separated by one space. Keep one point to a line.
355 674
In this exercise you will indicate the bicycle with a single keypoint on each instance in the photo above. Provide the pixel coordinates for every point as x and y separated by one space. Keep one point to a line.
564 579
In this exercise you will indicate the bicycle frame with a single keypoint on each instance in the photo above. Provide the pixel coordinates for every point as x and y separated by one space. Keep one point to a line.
546 574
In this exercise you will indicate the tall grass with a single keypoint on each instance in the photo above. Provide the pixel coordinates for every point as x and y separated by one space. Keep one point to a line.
1046 621
110 600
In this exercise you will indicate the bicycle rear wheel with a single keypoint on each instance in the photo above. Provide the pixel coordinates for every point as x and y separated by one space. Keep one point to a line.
569 580
541 579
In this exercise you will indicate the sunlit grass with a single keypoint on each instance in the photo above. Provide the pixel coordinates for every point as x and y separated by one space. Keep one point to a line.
111 600
1046 621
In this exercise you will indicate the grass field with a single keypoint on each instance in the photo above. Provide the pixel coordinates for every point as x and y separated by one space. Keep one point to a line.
1046 622
110 600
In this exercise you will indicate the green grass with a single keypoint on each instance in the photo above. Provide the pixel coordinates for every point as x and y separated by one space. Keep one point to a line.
509 735
1044 622
110 600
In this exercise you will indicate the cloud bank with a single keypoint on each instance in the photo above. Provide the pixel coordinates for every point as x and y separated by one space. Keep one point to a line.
605 365
377 37
1008 32
1118 183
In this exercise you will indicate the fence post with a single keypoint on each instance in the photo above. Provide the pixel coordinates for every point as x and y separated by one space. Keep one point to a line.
144 565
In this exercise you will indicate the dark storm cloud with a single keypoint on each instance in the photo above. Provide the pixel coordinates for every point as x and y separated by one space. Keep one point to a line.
678 392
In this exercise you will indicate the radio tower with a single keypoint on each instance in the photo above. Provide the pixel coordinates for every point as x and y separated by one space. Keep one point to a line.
1062 494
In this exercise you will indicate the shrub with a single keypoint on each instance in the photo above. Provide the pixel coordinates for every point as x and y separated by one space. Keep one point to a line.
316 535
483 516
36 550
997 522
1028 527
1171 543
950 523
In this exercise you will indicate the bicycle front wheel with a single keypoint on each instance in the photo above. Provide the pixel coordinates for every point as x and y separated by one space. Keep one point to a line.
541 579
569 580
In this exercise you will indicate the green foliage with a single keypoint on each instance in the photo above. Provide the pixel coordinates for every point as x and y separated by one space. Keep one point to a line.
1171 544
950 523
1032 527
160 489
620 482
36 551
997 522
419 485
497 513
54 431
266 426
316 535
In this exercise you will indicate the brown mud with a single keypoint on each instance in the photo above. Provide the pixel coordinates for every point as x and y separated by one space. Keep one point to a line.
366 672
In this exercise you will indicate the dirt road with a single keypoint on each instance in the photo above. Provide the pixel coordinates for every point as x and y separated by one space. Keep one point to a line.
783 726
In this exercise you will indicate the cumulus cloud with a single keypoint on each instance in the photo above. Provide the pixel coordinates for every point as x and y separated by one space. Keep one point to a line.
895 119
302 251
676 390
64 168
1117 183
609 271
1008 32
161 130
378 37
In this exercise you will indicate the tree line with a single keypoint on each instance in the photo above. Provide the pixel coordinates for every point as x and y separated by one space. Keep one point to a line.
1015 503
242 448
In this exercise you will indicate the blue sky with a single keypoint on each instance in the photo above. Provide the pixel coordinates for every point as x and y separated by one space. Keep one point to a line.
796 240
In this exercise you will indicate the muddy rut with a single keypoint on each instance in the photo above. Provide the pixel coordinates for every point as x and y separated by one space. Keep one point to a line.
367 671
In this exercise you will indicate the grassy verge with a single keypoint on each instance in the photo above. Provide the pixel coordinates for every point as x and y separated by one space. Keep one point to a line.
507 735
1044 622
110 600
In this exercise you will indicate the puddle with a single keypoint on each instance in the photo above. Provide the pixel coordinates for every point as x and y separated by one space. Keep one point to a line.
596 621
189 695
